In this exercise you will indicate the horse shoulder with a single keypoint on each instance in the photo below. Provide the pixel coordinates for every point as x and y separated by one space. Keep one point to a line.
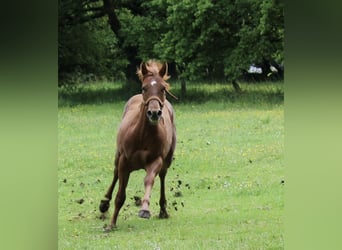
133 104
170 110
172 127
129 120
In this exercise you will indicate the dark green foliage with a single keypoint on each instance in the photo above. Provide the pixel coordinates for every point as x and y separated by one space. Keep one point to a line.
205 39
259 35
90 52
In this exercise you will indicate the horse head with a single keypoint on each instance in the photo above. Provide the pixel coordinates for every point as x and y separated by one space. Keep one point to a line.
153 76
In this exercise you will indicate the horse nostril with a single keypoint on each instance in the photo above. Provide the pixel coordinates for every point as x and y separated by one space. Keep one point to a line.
154 115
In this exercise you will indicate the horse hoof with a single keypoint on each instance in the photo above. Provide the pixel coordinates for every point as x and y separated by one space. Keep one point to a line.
144 214
108 228
104 205
163 215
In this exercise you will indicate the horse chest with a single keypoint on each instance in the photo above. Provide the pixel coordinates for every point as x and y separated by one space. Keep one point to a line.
153 143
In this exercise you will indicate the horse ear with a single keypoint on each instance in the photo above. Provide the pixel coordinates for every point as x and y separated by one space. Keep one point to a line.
163 70
143 69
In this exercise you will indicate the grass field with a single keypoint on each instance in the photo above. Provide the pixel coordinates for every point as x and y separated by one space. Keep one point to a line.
224 189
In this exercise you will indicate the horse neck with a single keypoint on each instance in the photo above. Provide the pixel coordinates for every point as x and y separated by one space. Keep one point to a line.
151 137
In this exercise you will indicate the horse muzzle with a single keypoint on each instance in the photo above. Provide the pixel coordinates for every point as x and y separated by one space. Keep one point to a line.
154 110
154 115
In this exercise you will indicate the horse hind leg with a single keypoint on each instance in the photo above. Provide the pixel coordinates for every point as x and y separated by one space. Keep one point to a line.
162 202
168 160
123 176
105 202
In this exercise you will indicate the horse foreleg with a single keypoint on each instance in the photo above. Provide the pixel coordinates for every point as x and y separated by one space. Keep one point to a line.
151 171
162 202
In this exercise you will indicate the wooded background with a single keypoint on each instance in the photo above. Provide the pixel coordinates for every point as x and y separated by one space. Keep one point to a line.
204 39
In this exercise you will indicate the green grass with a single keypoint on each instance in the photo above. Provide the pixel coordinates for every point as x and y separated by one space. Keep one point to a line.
106 92
224 188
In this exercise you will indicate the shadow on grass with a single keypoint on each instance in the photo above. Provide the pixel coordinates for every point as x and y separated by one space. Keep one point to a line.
266 93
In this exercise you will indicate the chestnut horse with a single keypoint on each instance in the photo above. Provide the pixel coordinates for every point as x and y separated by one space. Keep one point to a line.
146 140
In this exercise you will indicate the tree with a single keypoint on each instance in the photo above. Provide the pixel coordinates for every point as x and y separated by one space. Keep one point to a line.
87 46
259 36
218 39
204 39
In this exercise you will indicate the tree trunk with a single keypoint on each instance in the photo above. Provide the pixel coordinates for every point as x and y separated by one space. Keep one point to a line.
236 86
183 87
113 20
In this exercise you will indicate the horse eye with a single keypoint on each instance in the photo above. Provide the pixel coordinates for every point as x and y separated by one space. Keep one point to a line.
143 89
